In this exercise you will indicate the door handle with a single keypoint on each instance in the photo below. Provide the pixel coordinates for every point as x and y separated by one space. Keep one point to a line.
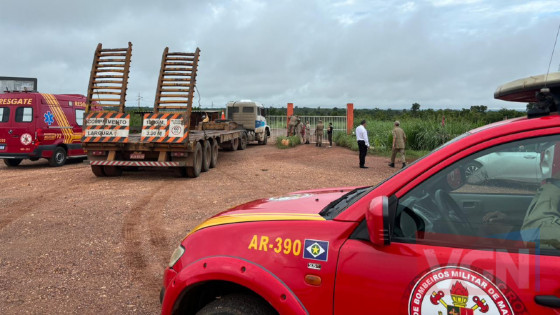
530 157
548 300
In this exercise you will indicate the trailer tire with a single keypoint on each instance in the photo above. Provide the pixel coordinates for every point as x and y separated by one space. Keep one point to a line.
194 171
58 157
242 142
98 171
206 156
112 171
214 155
234 143
12 162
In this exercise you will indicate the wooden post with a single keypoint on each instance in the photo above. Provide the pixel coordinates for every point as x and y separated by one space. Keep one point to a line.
349 118
289 114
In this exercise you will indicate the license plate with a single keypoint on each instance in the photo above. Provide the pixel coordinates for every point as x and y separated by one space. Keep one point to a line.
2 147
137 156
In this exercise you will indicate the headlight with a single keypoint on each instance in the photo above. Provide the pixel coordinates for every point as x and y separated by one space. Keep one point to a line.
176 255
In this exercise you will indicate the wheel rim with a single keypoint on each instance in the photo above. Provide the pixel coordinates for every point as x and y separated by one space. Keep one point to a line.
59 157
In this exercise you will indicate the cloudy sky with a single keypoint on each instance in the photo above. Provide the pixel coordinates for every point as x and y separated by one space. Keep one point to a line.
387 54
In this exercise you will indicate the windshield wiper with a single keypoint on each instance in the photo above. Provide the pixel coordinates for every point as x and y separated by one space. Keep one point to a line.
340 204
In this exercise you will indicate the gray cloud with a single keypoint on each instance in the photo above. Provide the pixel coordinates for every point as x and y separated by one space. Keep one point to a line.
439 53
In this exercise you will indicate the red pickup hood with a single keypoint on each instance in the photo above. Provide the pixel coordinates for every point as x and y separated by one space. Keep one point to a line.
297 206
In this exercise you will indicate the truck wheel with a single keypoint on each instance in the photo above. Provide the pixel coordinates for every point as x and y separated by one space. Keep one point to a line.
214 158
12 162
234 143
242 142
206 156
112 171
194 171
98 171
237 304
265 140
58 157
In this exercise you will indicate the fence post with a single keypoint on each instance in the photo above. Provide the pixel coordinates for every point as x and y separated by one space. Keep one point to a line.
289 113
349 118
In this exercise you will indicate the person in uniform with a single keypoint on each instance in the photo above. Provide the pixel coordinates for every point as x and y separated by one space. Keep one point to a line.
542 219
307 132
292 125
299 130
319 134
329 134
363 142
399 141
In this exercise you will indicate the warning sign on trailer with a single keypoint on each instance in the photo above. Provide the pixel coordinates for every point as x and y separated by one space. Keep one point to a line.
106 127
163 128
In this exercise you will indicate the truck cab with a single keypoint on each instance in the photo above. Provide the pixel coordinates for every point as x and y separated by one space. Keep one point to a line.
39 125
250 116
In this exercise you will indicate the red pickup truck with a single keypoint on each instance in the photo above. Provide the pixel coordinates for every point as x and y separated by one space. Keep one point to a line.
428 240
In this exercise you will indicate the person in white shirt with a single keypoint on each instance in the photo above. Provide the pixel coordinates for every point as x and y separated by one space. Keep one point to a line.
363 142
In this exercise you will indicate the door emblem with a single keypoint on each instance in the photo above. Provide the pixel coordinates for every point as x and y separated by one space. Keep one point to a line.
457 291
25 139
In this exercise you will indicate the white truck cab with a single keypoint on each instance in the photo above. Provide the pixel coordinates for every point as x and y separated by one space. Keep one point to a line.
250 116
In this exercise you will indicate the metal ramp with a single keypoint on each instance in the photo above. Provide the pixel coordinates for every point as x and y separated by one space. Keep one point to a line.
176 83
109 78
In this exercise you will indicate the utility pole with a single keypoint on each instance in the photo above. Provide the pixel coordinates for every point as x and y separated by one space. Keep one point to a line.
139 98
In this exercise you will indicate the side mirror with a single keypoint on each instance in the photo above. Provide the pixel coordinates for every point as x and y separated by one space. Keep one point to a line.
377 219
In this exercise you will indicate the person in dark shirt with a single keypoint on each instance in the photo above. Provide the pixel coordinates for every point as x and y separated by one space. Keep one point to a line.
329 134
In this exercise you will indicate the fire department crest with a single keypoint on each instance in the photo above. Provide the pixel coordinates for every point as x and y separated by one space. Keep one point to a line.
457 291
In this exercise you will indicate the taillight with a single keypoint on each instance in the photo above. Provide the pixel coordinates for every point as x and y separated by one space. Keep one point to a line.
98 153
178 154
39 134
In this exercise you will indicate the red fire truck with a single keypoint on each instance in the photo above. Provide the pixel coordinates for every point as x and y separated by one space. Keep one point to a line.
428 240
38 125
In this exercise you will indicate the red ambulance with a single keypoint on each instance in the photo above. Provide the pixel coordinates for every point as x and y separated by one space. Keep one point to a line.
38 125
439 237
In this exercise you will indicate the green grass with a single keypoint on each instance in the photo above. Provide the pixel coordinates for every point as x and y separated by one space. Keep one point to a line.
422 135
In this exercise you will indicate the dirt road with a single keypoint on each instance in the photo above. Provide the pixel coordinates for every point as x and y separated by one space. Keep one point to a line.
74 243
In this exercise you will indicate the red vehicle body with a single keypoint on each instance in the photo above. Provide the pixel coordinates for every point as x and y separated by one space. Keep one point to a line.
428 240
38 125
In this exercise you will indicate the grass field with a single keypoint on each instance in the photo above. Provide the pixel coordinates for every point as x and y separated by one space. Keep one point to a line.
422 135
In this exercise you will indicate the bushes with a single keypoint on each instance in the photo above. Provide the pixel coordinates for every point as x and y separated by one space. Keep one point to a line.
421 135
287 142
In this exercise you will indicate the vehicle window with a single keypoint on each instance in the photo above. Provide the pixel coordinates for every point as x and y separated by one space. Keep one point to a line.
4 114
24 114
505 197
80 117
248 109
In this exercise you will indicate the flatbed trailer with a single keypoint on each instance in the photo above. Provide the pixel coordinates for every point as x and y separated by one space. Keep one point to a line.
173 136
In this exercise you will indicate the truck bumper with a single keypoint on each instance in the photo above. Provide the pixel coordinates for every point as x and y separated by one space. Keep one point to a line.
137 163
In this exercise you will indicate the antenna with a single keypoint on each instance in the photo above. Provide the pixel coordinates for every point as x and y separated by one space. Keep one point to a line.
551 55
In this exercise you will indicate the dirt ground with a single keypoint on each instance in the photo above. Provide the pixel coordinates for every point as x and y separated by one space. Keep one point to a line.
74 243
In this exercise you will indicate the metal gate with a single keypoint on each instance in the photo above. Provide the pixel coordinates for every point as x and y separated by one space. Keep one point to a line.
278 124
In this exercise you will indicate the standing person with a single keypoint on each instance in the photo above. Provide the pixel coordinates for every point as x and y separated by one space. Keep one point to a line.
292 125
399 141
329 134
299 130
319 134
307 132
363 142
